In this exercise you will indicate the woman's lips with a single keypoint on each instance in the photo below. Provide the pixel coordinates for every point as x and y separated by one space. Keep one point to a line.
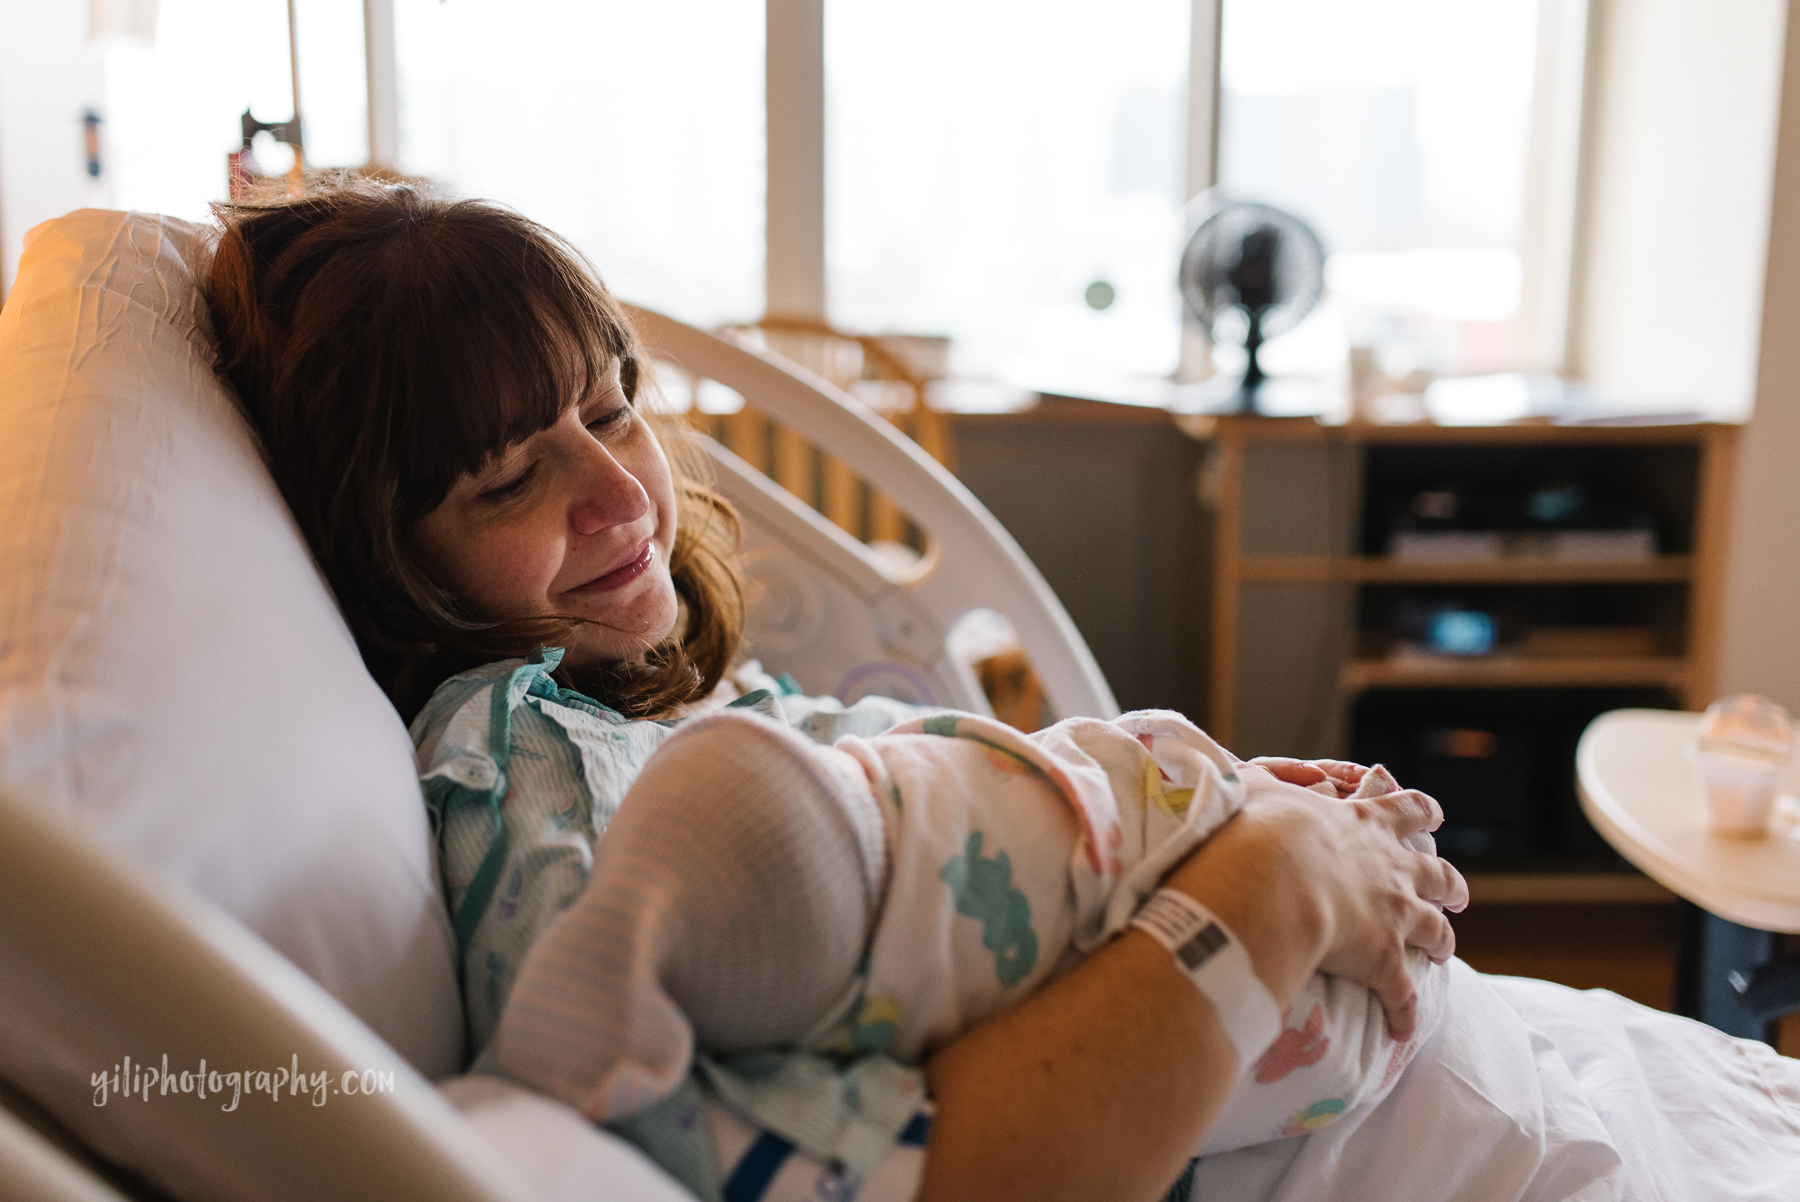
622 575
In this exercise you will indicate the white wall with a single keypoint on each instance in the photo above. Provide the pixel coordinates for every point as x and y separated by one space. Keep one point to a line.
1680 136
44 70
1761 647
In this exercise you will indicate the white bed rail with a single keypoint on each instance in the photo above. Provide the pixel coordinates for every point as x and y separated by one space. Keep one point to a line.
973 562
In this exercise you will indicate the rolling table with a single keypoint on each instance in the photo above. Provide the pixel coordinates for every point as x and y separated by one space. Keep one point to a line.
1641 789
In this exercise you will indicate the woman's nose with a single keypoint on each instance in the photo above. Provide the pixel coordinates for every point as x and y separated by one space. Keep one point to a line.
606 493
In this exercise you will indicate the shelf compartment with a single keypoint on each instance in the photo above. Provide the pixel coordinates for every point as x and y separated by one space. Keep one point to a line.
1584 888
1666 671
1371 569
1530 433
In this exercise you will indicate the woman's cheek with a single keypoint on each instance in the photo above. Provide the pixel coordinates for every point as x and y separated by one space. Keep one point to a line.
520 567
650 465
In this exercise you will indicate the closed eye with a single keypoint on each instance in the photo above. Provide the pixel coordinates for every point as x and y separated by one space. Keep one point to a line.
612 419
512 488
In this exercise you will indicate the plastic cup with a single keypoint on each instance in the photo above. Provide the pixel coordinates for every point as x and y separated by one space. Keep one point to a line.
1740 793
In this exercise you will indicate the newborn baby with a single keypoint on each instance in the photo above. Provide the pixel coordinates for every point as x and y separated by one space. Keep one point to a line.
758 891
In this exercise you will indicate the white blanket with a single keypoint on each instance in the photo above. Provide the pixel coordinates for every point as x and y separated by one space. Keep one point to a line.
1537 1093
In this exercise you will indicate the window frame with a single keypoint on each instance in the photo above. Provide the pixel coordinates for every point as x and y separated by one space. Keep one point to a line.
794 269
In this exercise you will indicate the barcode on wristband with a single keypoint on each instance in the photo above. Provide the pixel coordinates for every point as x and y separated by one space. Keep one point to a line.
1181 925
1208 955
1201 947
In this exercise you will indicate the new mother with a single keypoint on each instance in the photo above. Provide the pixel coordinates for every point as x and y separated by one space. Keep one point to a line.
460 418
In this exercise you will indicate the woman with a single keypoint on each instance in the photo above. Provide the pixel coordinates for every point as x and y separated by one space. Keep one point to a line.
451 405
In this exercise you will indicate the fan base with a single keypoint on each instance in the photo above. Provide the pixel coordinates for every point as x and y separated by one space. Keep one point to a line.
1267 398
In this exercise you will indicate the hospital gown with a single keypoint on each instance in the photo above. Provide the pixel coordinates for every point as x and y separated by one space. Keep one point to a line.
521 778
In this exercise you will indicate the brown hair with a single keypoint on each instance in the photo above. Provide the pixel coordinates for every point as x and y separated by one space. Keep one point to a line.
384 341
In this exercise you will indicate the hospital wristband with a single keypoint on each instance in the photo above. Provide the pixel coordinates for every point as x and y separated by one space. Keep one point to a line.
1210 956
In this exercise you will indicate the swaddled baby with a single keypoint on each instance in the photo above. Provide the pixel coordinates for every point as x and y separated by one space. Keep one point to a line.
758 891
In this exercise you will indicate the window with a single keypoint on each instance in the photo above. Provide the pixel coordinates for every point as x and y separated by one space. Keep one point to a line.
171 105
1009 173
1410 133
635 130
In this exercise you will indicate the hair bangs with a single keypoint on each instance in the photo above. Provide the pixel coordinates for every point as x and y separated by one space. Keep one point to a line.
519 333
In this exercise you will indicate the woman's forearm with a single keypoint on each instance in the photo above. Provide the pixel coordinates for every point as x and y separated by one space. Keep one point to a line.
1102 1084
1098 1086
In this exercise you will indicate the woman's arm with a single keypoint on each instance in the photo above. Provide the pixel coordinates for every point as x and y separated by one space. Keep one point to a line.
1102 1084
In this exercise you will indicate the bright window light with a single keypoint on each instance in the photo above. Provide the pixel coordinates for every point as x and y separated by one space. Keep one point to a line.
635 130
171 107
1400 129
1009 174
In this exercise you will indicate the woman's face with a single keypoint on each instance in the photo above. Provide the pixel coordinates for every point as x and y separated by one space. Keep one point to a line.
577 520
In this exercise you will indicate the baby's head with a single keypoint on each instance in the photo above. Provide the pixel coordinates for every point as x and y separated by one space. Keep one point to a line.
458 414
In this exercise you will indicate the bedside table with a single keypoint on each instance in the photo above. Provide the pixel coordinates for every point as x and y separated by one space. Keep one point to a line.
1641 789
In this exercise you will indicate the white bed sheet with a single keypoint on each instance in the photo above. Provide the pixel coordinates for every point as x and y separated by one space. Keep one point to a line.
1532 1092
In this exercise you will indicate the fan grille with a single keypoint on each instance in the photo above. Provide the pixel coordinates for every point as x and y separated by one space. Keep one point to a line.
1215 263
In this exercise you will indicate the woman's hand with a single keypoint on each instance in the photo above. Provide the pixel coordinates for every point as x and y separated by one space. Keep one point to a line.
1312 885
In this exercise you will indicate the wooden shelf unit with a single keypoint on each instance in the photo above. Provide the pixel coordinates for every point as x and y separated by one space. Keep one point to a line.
1236 440
1564 888
1499 672
1303 603
1375 569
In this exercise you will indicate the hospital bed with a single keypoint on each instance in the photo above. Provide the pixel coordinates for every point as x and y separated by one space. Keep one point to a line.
214 847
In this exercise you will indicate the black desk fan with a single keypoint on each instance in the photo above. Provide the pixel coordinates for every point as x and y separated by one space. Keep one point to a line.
1259 261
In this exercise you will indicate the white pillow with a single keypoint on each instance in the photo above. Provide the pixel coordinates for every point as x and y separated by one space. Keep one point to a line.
174 676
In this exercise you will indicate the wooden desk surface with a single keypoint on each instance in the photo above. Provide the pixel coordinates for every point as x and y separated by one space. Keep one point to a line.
1528 433
1641 789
